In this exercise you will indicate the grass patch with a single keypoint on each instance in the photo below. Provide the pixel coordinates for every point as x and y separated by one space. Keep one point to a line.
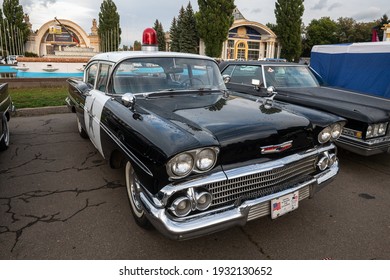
38 97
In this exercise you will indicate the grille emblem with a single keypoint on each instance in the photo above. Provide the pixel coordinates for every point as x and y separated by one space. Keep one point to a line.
276 148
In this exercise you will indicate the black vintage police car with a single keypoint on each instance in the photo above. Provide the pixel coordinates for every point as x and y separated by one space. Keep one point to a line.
367 131
197 158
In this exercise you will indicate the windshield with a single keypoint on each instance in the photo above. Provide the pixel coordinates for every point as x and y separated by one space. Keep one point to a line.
289 76
166 74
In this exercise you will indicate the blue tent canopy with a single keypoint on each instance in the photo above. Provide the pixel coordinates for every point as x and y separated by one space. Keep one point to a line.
363 67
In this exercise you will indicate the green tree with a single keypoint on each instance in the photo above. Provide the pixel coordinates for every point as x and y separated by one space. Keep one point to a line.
322 31
288 15
137 46
189 40
109 29
346 30
363 31
213 21
174 36
180 29
14 30
160 35
383 20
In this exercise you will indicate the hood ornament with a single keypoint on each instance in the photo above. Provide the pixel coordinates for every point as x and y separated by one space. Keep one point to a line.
269 100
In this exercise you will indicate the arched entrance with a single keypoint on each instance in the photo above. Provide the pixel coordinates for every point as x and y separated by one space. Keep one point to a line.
241 50
52 37
249 40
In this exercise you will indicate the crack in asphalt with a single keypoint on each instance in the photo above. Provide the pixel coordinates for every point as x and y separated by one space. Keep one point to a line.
90 155
50 218
255 243
39 157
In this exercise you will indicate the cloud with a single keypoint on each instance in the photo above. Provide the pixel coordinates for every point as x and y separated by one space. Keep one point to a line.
369 14
30 3
334 6
256 11
320 5
45 3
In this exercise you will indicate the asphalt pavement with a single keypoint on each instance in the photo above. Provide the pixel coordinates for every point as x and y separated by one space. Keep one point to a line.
59 199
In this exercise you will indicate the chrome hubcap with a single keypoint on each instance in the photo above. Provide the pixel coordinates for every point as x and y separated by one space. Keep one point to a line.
131 185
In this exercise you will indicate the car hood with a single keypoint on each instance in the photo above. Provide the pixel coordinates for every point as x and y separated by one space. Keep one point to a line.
240 126
347 104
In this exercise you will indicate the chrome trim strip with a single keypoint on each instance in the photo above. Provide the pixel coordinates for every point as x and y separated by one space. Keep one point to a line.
363 148
8 99
369 142
120 144
127 151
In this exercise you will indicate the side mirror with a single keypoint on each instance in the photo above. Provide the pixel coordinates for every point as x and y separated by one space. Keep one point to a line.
257 84
226 78
128 99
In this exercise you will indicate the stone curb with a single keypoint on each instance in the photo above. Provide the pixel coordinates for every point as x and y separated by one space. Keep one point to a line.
29 112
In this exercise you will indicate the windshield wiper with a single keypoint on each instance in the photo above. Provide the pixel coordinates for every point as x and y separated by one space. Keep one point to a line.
162 92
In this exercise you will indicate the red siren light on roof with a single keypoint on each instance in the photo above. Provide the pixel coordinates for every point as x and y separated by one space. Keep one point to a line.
149 40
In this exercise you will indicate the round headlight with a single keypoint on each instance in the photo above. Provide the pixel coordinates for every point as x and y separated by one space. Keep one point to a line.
323 163
336 131
205 160
182 165
325 135
203 200
181 206
332 159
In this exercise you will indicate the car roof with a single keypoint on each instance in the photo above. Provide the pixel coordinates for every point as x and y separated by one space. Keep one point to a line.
223 64
119 56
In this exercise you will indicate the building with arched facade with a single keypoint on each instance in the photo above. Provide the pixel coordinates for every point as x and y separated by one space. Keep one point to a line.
58 37
248 40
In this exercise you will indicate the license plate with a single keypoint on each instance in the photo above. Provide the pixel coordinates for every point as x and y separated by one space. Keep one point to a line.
284 204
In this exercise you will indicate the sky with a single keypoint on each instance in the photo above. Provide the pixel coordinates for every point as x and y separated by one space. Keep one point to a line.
136 15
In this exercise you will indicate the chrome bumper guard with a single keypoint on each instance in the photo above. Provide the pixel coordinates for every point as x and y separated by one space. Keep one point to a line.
221 219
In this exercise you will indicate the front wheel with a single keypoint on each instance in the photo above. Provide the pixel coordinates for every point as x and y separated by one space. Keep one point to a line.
135 203
4 143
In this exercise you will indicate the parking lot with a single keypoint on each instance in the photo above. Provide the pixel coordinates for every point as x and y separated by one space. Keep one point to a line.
59 199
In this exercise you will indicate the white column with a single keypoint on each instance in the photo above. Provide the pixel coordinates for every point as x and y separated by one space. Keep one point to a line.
268 49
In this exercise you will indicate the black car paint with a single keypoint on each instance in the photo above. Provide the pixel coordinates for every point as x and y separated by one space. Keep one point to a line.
157 129
358 109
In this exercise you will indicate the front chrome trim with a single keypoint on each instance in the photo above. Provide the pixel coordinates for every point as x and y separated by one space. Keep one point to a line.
169 190
236 215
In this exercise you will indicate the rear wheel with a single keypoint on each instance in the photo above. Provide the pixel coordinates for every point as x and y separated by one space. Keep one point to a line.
4 143
135 203
81 130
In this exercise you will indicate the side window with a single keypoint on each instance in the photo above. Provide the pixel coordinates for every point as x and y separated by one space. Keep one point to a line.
228 70
90 76
244 74
102 78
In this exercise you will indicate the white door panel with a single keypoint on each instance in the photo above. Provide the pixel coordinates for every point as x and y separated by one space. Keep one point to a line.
94 104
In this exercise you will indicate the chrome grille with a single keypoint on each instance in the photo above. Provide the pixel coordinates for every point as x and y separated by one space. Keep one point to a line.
260 184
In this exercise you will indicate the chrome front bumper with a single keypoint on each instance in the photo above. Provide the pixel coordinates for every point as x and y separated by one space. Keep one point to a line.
364 148
229 216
